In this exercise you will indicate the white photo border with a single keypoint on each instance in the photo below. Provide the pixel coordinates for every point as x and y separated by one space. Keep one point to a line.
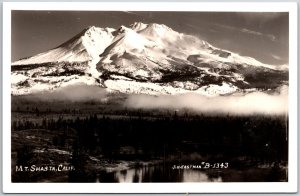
264 187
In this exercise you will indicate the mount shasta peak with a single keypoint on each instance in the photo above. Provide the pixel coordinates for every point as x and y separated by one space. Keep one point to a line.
144 59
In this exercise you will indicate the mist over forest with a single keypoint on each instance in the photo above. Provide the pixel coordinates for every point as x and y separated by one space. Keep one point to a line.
275 102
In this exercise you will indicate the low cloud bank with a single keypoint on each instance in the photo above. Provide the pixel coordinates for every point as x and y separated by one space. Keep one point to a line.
251 103
256 102
73 93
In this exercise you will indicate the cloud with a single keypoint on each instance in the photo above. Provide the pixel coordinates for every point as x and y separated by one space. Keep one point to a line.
226 27
251 32
128 12
256 102
276 57
270 36
80 92
132 13
248 31
261 17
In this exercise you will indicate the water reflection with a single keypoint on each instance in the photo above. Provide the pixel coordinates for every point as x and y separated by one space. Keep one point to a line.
158 173
198 176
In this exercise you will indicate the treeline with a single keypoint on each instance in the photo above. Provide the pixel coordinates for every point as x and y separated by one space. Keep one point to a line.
261 138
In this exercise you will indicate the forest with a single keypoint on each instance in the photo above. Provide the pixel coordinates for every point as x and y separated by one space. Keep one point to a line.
243 141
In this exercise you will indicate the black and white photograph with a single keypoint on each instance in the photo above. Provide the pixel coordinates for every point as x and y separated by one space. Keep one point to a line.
117 96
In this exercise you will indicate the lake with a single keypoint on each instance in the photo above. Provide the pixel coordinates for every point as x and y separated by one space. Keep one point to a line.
167 173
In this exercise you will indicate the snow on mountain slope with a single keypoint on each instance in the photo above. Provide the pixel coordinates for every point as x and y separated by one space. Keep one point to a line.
127 40
72 62
29 86
172 41
126 85
146 50
138 26
131 53
85 46
28 79
145 58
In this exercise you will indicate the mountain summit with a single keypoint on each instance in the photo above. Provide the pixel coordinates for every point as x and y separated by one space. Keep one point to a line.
85 46
144 58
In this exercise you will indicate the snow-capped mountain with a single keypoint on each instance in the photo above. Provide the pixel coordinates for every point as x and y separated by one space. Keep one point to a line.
85 46
144 58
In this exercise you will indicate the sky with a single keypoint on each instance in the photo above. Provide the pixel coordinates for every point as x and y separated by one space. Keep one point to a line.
263 36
